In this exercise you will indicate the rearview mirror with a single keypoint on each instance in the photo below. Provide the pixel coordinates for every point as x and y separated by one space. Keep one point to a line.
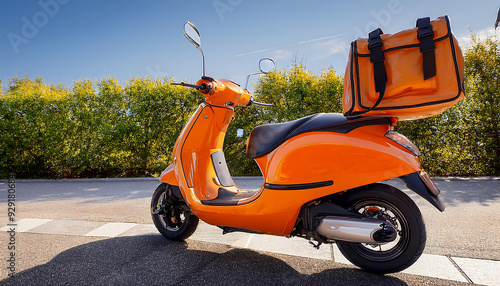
192 34
266 65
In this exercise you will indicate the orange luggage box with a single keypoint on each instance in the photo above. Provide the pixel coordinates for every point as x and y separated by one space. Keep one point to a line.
412 74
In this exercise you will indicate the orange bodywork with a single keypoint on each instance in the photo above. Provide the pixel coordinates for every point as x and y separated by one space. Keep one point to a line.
359 157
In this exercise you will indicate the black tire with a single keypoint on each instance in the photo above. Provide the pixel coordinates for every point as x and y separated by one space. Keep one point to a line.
176 222
396 207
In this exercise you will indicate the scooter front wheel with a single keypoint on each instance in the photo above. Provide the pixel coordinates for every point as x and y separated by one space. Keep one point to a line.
171 216
390 204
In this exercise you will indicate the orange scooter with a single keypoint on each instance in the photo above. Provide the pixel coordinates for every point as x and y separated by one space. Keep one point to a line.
321 176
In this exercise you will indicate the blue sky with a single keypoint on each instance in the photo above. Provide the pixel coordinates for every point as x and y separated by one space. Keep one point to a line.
67 40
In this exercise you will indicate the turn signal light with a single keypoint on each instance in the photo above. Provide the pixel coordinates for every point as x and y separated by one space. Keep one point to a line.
403 141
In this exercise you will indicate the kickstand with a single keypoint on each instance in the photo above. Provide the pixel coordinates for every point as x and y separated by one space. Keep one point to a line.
316 245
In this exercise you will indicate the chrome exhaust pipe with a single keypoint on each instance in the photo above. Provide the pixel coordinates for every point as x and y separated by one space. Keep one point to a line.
362 230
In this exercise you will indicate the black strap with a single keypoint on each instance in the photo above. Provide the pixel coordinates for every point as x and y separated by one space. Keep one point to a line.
377 58
426 37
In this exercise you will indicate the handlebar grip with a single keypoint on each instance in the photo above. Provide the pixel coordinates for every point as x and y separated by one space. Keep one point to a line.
187 85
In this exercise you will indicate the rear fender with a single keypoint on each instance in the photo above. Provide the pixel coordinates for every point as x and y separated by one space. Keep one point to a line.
415 183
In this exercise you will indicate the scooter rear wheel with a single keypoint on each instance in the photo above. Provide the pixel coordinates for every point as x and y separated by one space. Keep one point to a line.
390 204
172 217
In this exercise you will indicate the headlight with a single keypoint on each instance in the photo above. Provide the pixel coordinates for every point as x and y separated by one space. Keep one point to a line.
403 141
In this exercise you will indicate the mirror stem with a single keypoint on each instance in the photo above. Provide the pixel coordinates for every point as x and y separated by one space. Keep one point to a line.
203 60
248 77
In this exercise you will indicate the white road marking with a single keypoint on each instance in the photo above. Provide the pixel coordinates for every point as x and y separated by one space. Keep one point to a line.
294 246
249 240
480 271
338 256
436 266
242 242
111 229
25 224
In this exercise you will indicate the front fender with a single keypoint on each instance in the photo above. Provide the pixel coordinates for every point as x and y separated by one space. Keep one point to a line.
416 183
168 176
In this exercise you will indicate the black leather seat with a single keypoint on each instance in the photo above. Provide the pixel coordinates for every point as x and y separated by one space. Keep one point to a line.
265 138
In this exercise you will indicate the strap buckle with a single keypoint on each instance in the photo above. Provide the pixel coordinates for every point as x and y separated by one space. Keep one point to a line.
374 42
374 39
425 32
424 28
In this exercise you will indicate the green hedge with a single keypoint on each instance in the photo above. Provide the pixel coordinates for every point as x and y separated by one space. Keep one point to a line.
101 129
96 129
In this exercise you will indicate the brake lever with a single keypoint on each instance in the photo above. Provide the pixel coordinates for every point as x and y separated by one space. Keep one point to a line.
260 103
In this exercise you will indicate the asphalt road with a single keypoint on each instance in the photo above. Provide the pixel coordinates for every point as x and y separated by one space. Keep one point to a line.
469 227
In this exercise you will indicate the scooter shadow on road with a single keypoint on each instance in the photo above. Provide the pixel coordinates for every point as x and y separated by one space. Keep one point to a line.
152 260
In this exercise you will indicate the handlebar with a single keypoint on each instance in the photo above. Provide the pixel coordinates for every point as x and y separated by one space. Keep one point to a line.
203 88
209 86
186 84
